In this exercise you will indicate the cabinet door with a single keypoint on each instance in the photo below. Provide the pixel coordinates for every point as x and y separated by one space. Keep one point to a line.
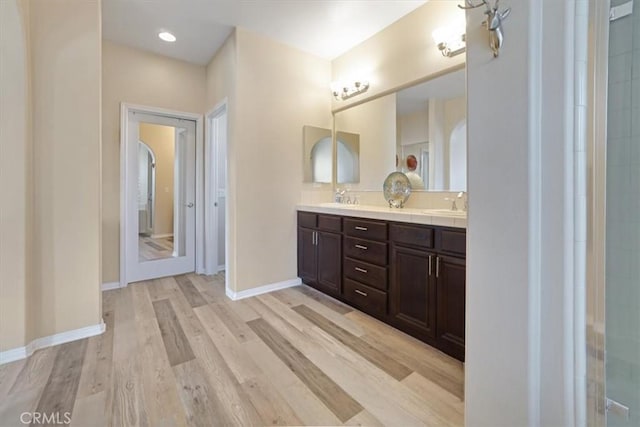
412 291
451 304
329 262
307 258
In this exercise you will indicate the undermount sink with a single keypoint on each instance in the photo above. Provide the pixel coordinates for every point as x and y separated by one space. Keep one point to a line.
444 212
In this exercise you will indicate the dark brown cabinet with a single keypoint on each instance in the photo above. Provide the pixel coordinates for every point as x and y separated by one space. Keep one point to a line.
451 293
413 290
365 265
320 252
407 275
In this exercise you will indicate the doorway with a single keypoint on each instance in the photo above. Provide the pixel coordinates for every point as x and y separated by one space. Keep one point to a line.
216 205
158 193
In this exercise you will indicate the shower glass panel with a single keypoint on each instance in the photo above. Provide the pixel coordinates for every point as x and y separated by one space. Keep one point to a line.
623 220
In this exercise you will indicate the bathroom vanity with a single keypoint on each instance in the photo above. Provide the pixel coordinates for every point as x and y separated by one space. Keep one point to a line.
405 267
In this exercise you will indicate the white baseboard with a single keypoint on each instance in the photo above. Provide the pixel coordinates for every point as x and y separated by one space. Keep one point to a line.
110 285
161 236
262 289
221 268
49 341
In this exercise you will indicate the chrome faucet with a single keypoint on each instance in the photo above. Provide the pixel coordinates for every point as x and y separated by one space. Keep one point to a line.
454 205
463 195
339 198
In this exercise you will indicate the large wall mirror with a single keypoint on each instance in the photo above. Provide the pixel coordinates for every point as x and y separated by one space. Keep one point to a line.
318 156
420 130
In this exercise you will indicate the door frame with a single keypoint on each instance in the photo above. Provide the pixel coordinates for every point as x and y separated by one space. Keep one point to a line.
125 109
209 266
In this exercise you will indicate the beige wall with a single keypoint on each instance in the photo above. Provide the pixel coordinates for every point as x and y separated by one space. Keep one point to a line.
221 85
414 127
161 140
375 122
400 54
66 66
279 90
137 77
16 186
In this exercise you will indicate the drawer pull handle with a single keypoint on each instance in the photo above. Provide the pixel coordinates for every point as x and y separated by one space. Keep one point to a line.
361 270
429 265
361 228
364 248
358 291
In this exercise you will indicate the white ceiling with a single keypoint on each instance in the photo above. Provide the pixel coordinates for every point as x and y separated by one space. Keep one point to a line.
415 98
326 28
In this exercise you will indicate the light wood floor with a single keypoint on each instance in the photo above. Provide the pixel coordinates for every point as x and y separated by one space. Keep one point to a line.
178 352
150 248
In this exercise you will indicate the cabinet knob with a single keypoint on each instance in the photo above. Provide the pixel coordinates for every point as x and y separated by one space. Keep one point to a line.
358 291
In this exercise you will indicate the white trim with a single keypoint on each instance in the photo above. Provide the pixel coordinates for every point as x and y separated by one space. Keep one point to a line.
108 286
12 355
535 213
125 108
49 341
262 289
210 215
161 236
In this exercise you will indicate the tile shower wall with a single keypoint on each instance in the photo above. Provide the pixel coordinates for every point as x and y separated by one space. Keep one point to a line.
623 217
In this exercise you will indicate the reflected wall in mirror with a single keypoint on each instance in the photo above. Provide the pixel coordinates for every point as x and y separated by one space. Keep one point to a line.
420 130
318 154
159 194
375 123
348 157
431 133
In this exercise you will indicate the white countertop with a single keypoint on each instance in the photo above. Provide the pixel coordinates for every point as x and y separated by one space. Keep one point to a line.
440 217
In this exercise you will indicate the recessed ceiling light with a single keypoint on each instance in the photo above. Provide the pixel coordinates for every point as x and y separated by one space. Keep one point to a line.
166 36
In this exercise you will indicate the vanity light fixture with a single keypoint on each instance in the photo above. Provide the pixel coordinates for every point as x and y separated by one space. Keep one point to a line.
167 36
452 45
342 91
451 40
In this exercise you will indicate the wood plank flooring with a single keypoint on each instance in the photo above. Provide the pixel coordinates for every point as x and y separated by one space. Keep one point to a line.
178 352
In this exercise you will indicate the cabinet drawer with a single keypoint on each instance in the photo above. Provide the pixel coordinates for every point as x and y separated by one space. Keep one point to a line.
366 250
453 242
330 223
411 235
372 230
366 273
366 298
307 219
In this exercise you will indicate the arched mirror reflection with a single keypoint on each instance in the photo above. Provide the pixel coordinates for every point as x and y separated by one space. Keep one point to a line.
318 154
348 157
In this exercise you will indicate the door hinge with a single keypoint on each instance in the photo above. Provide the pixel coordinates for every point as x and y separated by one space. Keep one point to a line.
618 409
621 11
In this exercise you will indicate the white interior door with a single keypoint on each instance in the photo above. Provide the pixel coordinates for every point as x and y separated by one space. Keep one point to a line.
168 247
